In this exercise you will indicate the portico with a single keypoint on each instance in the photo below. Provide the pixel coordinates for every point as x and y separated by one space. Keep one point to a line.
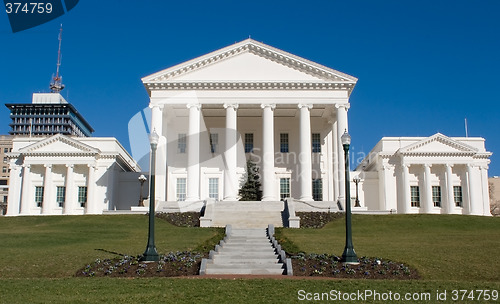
254 102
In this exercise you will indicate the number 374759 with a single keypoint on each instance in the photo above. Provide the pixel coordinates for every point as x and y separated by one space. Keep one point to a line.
28 8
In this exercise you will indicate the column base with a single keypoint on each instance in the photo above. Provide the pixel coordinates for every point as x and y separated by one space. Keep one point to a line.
306 199
269 199
231 198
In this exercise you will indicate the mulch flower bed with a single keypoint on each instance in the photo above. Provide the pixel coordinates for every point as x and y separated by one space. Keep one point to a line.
173 264
318 219
181 219
324 265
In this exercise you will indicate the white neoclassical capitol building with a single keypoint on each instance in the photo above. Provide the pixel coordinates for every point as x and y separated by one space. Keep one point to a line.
286 114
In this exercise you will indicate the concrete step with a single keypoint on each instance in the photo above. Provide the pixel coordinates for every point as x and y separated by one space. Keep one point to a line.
254 271
234 260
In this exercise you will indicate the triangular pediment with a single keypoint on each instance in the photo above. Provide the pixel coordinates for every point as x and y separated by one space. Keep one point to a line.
438 144
250 61
59 144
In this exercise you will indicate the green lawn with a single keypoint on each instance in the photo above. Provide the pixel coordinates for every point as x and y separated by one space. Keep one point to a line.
440 247
41 254
57 246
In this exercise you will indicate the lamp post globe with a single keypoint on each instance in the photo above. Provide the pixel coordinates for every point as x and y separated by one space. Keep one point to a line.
151 254
349 256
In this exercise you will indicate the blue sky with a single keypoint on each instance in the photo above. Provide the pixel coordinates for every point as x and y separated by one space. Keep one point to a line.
423 66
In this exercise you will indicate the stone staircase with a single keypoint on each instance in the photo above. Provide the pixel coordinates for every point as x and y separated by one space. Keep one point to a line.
243 252
247 214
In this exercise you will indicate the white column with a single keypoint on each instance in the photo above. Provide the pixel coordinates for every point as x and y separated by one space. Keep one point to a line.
268 182
193 169
381 187
450 197
26 190
485 188
305 157
427 191
69 204
474 205
92 205
329 183
335 157
161 152
47 190
405 204
13 203
230 177
341 128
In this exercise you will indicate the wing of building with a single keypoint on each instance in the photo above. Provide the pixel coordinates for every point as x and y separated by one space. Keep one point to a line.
70 175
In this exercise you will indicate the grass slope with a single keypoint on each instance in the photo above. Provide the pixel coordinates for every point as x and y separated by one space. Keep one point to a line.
441 247
56 246
41 254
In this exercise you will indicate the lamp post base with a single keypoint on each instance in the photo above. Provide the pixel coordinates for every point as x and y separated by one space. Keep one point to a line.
349 256
150 255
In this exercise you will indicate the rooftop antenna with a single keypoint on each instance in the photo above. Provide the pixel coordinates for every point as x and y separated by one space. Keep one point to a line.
56 84
466 131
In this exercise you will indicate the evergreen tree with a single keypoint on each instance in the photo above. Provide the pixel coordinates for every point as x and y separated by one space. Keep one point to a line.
251 189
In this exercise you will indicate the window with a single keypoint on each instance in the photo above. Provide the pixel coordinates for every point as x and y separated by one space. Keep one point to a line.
214 142
415 196
316 143
4 169
284 142
213 188
248 142
5 199
457 193
39 196
181 189
181 143
284 188
5 150
5 159
317 185
60 195
436 196
82 195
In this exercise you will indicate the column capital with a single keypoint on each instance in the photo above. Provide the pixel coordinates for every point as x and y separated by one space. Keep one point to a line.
156 105
427 165
270 105
343 105
405 165
306 105
231 105
93 166
449 165
195 105
26 165
70 165
483 167
49 166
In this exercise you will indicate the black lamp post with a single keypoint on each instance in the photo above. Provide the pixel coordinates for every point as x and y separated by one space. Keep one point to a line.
142 179
151 255
356 180
349 256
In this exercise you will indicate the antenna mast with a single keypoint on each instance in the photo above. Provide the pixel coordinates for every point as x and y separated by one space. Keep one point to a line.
56 85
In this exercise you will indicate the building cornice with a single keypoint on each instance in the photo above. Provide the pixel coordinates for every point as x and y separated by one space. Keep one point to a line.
201 85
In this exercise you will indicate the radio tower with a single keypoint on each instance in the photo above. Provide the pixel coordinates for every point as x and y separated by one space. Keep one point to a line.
56 84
